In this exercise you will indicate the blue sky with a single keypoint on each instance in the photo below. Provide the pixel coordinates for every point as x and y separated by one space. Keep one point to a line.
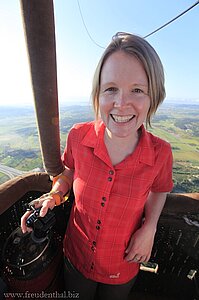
77 56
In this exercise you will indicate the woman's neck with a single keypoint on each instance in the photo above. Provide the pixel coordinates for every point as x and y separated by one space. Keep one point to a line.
125 141
120 147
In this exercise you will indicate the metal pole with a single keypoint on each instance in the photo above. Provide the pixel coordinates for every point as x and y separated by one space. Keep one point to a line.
39 27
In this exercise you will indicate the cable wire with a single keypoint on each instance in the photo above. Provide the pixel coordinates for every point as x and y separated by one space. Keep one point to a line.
166 24
80 11
192 6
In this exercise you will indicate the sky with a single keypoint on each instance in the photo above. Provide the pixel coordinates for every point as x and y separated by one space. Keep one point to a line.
77 55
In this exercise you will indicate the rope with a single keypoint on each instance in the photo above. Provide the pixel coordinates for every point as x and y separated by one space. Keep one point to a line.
87 28
161 27
192 6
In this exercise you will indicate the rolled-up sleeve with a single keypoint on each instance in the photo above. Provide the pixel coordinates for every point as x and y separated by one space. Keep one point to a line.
163 181
67 156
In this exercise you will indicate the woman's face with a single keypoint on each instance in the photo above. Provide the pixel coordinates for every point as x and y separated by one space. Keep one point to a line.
123 98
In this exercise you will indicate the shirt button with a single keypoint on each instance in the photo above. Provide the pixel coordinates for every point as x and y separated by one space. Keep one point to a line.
94 243
98 227
104 198
110 178
99 222
102 204
111 172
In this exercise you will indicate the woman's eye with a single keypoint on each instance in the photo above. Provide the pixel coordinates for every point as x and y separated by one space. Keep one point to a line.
138 91
111 89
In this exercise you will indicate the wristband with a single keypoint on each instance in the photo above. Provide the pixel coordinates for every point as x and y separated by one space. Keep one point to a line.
58 196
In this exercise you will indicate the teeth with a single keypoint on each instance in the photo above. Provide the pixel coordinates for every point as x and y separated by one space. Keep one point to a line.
122 119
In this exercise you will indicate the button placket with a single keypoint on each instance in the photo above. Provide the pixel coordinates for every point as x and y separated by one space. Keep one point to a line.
97 226
104 200
111 172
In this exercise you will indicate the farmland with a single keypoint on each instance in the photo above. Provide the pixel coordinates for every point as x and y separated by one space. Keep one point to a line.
176 123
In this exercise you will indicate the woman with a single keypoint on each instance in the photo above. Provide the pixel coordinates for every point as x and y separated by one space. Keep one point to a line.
122 174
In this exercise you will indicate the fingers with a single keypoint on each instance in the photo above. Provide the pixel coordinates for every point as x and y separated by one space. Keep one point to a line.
46 204
128 249
24 228
46 201
137 258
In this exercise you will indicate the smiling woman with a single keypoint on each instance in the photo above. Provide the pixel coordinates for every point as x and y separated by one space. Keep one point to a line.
122 174
128 87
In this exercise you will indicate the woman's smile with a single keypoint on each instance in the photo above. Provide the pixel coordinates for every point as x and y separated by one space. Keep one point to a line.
123 100
121 119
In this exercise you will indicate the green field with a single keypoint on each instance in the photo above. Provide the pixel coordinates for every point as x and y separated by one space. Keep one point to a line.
178 124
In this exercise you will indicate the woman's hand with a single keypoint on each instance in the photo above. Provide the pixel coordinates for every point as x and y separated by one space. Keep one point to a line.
140 245
141 242
46 202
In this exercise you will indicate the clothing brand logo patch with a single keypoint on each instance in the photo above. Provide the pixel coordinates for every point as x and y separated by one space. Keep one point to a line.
115 275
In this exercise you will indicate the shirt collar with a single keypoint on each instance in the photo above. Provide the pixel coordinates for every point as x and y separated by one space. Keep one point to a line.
95 139
144 151
94 134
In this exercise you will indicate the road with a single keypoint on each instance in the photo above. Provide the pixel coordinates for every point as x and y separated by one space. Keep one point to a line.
10 172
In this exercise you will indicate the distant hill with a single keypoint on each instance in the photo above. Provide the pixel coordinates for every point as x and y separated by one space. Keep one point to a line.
178 123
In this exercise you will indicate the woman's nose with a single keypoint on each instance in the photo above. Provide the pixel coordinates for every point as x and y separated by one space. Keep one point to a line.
121 100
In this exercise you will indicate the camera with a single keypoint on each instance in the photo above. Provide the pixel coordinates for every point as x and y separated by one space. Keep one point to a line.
40 225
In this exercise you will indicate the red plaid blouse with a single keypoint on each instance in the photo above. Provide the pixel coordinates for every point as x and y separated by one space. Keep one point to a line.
109 200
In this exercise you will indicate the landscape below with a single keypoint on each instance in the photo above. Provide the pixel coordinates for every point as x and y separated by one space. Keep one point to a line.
176 123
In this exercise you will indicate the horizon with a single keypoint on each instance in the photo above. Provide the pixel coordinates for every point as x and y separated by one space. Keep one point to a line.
87 102
80 103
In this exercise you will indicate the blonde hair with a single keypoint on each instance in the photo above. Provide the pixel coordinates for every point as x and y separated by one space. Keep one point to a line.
145 53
